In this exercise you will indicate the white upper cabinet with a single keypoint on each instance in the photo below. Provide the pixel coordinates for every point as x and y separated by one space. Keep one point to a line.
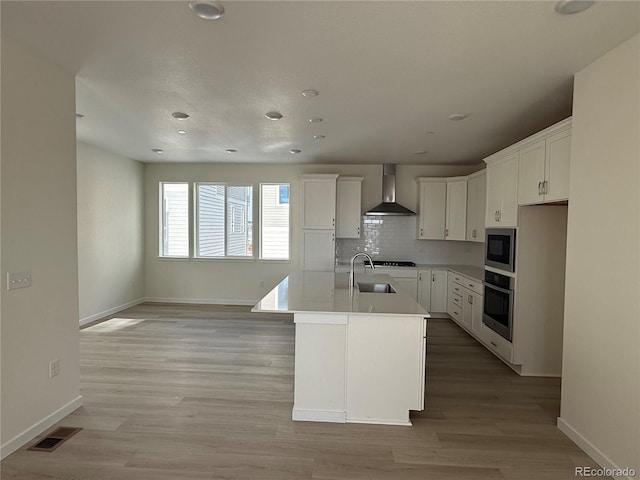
544 168
348 207
557 167
502 191
456 212
540 164
318 201
432 208
531 173
476 204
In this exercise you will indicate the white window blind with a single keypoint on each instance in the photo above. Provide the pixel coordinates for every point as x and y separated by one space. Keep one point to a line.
274 221
223 221
174 241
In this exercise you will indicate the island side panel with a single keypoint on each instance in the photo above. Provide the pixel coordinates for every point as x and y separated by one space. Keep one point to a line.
320 365
384 368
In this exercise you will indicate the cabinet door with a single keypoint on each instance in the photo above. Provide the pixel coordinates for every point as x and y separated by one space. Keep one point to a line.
508 216
557 168
476 203
439 291
424 289
456 211
494 194
318 203
431 217
531 173
467 308
348 208
318 250
476 312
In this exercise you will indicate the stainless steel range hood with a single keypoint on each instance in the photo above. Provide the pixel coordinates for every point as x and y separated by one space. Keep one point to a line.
389 205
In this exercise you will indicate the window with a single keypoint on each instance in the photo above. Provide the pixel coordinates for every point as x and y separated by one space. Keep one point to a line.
174 212
224 221
274 221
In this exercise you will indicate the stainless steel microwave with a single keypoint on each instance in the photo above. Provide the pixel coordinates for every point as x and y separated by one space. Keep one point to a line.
500 248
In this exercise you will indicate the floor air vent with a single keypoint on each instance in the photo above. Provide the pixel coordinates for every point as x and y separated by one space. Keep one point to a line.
54 439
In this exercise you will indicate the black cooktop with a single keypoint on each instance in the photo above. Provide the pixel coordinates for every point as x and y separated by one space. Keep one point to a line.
392 263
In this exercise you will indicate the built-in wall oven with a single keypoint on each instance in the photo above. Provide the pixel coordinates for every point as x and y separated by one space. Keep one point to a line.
500 248
498 303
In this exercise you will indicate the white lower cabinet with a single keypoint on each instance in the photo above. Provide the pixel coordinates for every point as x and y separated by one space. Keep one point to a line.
359 368
432 290
465 302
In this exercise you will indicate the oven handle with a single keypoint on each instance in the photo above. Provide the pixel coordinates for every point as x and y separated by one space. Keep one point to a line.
499 289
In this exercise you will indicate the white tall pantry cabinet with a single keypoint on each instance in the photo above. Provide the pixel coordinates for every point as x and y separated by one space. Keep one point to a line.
318 221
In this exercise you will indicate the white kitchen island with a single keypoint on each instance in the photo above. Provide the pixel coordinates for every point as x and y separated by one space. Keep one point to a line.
359 357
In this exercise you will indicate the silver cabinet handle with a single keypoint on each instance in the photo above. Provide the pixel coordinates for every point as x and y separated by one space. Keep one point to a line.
421 232
419 277
471 299
539 188
499 215
545 184
496 215
446 232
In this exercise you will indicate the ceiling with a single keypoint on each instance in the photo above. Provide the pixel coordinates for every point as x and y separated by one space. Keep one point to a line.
389 75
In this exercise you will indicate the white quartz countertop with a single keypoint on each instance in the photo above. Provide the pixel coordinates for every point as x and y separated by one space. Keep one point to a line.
328 292
471 271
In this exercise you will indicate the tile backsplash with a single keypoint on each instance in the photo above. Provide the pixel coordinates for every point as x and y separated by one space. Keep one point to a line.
394 238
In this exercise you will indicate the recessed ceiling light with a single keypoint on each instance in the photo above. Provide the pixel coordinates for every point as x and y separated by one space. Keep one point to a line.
231 150
318 137
79 115
157 150
207 10
456 117
273 115
182 132
420 152
180 115
294 151
310 93
569 7
315 119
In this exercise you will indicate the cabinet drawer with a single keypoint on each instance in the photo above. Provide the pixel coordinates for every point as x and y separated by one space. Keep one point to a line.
456 300
497 344
455 311
465 282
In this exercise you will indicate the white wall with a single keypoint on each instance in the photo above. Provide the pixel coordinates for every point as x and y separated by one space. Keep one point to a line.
600 406
110 232
40 323
239 282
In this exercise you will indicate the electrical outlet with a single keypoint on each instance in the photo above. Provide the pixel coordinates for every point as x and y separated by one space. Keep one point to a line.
18 280
54 368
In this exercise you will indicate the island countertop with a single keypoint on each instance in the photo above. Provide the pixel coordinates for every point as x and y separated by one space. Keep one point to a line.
328 292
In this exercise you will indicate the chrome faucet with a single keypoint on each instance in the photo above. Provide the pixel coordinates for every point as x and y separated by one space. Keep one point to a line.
352 275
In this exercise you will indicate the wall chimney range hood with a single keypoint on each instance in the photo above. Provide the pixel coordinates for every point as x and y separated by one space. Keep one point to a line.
389 205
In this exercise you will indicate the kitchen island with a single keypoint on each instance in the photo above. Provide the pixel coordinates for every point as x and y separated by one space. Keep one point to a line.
359 356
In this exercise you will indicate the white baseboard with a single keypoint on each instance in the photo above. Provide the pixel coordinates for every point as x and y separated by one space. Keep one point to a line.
330 416
97 316
588 448
201 301
32 432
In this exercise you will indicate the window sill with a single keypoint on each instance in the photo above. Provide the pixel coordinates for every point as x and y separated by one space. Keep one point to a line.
225 259
273 260
161 257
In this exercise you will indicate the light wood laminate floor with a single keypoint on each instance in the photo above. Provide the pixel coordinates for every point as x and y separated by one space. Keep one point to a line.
204 392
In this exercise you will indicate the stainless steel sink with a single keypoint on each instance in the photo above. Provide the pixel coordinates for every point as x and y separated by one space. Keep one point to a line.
375 288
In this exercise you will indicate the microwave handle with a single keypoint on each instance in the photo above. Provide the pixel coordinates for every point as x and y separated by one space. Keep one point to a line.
499 289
